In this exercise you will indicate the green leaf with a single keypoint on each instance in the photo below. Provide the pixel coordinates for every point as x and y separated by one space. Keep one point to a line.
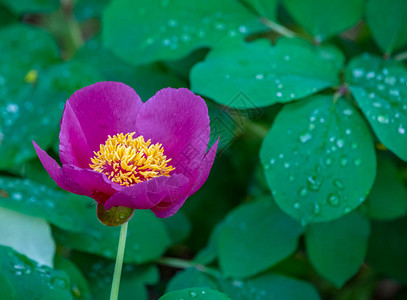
27 235
147 237
190 278
249 229
133 280
32 6
265 8
146 79
21 116
193 293
28 197
265 74
263 287
271 286
312 155
79 286
388 23
388 247
173 28
325 18
337 249
178 226
27 280
388 198
210 253
380 89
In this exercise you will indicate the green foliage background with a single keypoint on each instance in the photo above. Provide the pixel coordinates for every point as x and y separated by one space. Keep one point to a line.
307 197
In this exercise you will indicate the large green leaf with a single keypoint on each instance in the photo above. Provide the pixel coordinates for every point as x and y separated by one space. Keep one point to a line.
32 6
27 235
21 116
388 198
22 278
312 155
325 18
60 209
270 286
263 74
263 287
259 227
178 226
380 89
150 31
265 8
388 247
146 79
147 237
193 293
79 286
388 23
337 249
191 278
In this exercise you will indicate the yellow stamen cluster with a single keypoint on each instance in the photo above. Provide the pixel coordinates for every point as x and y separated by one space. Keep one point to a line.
127 160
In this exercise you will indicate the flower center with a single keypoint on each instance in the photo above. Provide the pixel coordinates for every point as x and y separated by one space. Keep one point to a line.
127 160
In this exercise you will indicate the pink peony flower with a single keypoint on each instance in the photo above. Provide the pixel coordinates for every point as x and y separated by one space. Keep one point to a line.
122 152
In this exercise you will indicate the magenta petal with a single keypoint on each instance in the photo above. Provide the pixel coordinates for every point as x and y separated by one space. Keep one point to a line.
52 167
73 146
90 183
168 209
178 119
93 113
147 194
205 168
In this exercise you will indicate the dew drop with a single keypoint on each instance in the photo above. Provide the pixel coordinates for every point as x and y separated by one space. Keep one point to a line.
59 283
339 184
333 199
317 209
287 165
354 146
291 178
305 137
339 143
172 23
357 162
401 130
314 183
243 29
259 76
279 94
344 162
297 205
347 112
17 196
303 192
328 161
383 119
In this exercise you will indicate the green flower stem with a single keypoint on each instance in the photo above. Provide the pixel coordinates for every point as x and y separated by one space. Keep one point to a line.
114 294
401 56
278 28
185 264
